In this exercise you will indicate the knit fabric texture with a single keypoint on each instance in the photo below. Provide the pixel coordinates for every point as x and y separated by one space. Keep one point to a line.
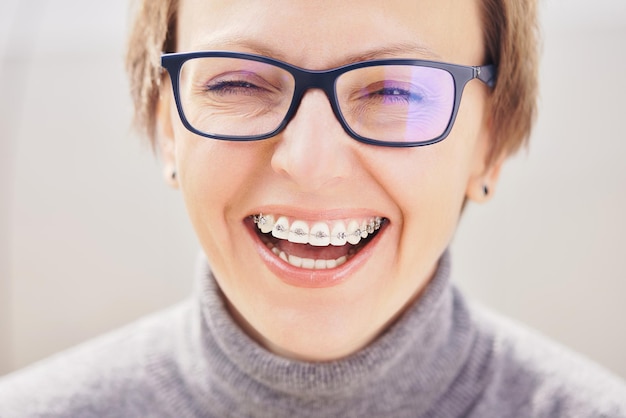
442 358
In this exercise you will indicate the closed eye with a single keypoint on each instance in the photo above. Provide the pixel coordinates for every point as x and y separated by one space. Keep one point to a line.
227 87
397 95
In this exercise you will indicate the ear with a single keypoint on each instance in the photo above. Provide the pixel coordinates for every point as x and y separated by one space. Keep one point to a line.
165 135
486 167
482 185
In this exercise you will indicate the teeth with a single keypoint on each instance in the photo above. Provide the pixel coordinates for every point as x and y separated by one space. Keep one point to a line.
299 232
338 235
281 228
320 234
295 261
307 263
354 232
266 223
321 264
364 230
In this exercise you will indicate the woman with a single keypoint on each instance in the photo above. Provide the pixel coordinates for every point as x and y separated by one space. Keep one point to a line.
325 152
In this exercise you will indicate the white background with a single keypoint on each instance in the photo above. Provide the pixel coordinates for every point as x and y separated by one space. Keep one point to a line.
90 238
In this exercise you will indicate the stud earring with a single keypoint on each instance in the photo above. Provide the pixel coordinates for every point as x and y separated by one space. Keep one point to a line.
485 190
173 175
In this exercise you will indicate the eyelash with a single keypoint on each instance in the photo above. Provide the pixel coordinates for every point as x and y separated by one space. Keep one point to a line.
233 86
391 93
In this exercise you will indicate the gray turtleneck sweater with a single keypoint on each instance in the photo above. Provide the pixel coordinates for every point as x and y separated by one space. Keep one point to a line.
442 358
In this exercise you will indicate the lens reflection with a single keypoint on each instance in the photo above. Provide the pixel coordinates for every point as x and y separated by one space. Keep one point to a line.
396 103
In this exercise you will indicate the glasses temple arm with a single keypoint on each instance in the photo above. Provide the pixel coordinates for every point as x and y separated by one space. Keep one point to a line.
486 74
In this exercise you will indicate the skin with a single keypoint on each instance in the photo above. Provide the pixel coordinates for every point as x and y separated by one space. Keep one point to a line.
313 170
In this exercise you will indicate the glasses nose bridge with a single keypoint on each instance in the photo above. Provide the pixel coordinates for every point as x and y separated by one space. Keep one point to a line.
306 80
310 79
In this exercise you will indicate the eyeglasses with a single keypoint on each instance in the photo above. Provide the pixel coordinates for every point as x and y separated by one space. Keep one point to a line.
245 97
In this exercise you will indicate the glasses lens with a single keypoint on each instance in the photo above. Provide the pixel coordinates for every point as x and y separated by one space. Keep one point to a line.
397 103
234 97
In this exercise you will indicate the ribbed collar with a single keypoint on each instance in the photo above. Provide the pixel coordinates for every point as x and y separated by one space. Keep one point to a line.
416 360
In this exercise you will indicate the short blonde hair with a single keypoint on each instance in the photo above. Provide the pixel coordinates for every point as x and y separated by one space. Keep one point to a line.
511 43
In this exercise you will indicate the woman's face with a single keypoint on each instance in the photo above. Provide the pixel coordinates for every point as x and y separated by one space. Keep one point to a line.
314 176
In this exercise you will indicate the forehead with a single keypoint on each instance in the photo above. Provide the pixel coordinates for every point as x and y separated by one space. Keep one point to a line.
326 33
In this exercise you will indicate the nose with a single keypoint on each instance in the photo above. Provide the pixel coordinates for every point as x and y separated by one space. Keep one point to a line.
314 150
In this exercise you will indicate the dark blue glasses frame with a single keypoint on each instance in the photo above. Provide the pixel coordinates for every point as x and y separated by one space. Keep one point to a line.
326 80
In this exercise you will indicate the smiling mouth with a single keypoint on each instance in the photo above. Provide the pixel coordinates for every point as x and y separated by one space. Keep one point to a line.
315 245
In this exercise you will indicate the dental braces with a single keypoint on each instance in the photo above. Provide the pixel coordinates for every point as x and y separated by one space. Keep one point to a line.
374 225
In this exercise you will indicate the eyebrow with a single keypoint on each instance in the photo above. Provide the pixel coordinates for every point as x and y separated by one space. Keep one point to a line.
406 50
398 50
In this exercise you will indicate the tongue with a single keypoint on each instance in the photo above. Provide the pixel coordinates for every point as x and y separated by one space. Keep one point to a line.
316 253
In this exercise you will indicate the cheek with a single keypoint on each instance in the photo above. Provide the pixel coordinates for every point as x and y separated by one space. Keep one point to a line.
200 163
214 173
215 178
442 169
428 184
431 204
426 180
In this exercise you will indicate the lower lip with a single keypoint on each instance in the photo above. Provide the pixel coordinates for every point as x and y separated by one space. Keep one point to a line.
310 278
